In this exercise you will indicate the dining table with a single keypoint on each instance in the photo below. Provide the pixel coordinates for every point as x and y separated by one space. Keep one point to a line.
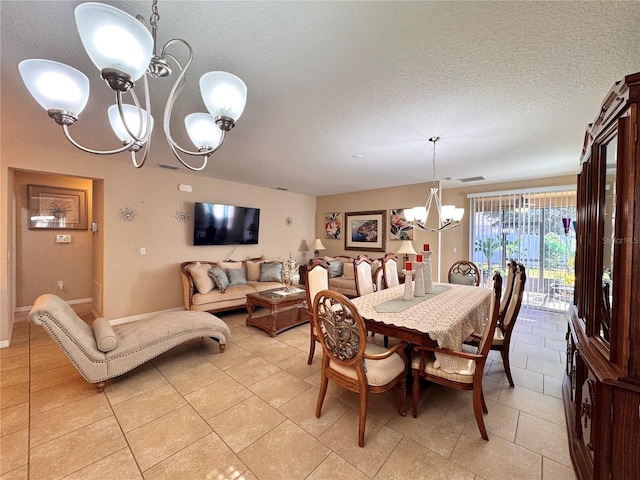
446 316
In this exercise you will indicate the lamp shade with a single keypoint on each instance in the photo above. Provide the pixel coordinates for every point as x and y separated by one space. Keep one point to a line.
132 117
317 245
55 86
202 130
406 248
224 94
114 39
447 211
458 213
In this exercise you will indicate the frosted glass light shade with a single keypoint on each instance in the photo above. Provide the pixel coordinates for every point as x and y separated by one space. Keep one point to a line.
114 39
55 86
458 213
447 211
223 94
202 130
132 117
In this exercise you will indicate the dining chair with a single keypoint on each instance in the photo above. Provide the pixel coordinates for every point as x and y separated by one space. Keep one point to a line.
316 280
378 279
352 363
390 270
502 337
363 274
464 272
507 291
471 366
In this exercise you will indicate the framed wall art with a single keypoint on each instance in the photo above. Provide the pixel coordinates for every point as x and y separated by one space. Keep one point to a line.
57 208
399 226
365 231
333 225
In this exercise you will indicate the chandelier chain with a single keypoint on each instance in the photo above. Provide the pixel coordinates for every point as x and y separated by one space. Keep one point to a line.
155 16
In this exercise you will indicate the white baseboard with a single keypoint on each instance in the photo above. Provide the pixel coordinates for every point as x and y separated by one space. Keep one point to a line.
70 302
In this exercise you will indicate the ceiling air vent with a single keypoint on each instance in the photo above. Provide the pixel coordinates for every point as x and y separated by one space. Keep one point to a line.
284 189
471 179
168 167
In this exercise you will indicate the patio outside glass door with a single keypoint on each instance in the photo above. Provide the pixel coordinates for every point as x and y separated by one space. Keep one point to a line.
535 227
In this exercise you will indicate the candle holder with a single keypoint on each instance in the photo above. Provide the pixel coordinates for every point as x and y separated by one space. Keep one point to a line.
418 288
408 284
427 273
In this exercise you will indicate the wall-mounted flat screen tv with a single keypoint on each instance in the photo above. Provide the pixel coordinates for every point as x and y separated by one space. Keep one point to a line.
216 224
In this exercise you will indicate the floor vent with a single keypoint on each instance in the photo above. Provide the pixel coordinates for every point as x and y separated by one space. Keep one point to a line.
471 179
168 167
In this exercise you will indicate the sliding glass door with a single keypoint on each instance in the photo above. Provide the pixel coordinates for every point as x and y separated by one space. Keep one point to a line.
536 228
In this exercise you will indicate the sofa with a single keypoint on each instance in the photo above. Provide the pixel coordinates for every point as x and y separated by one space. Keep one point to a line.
218 286
342 274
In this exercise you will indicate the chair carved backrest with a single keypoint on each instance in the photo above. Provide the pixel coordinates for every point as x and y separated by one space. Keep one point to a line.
508 289
511 314
464 272
343 334
317 279
390 270
363 274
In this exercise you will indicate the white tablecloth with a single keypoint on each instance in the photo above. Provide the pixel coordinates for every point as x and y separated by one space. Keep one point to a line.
449 317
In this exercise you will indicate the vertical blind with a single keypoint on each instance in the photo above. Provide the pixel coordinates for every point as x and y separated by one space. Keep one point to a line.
527 225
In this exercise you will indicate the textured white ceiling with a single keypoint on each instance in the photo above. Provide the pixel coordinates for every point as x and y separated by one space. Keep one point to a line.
509 86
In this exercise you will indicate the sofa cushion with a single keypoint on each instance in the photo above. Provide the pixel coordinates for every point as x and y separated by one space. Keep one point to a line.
348 272
236 276
200 274
270 272
106 338
219 278
335 268
234 295
230 265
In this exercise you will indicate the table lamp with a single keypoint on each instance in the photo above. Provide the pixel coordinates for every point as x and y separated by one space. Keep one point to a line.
407 249
317 245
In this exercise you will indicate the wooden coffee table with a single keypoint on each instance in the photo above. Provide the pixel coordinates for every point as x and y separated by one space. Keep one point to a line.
285 311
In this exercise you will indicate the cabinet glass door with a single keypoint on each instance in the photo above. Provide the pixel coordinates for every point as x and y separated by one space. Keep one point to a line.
609 159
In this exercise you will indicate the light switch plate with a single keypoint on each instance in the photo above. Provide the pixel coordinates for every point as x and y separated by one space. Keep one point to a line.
63 238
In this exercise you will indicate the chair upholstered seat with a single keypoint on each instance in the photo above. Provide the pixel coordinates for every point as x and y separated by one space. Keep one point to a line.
379 372
464 375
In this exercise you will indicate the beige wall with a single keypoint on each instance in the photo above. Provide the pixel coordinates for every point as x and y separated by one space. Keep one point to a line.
443 244
382 199
40 261
131 283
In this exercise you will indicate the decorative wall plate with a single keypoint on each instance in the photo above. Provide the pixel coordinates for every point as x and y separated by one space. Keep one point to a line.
182 216
127 214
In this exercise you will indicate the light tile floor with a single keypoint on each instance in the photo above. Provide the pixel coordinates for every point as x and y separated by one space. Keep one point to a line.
248 413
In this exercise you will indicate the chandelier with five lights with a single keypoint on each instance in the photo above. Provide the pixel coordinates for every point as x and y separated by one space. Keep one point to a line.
449 216
125 51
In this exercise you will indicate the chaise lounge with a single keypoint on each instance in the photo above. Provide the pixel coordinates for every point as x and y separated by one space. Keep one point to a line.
101 351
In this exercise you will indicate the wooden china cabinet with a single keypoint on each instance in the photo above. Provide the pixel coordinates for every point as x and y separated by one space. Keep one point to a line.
602 383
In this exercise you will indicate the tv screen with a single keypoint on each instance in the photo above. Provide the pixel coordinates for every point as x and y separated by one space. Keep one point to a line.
216 224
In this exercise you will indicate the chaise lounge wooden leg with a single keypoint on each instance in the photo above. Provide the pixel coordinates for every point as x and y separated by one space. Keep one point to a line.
100 386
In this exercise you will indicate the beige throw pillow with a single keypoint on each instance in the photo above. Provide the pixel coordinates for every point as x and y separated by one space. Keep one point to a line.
200 274
230 265
348 272
253 270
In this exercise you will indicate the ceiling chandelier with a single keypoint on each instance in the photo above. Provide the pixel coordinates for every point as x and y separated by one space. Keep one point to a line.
125 51
448 215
